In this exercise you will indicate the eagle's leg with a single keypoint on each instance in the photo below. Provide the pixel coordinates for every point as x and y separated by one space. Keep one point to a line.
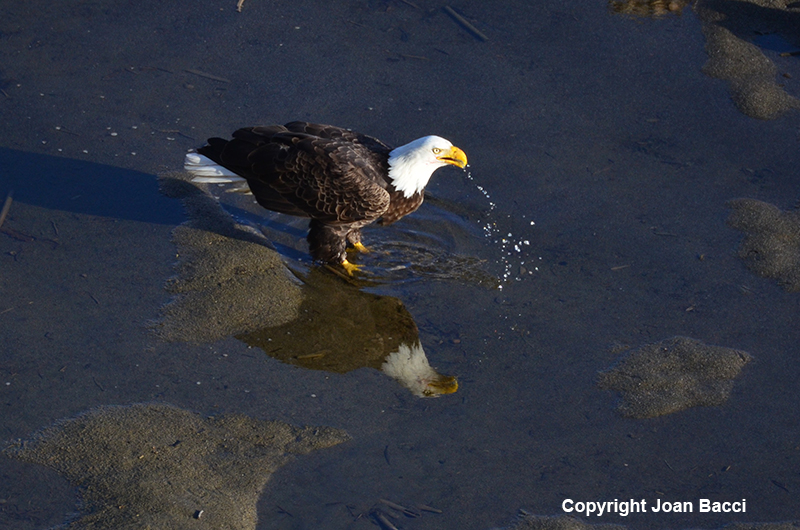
328 244
354 238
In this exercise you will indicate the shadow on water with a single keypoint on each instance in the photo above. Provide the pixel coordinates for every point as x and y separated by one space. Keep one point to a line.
748 20
85 187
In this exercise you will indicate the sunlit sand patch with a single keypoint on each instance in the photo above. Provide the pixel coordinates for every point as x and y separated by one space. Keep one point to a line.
228 279
771 247
158 466
749 73
673 375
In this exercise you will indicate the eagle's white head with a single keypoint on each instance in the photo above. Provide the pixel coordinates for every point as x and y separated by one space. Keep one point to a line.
411 165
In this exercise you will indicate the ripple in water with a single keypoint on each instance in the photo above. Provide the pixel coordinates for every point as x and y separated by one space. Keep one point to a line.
395 260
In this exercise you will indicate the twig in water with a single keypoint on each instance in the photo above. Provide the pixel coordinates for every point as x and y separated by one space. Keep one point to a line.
465 24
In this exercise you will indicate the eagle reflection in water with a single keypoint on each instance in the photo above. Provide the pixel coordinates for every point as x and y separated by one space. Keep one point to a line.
376 332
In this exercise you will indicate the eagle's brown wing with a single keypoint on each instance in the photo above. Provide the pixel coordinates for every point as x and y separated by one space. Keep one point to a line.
327 173
332 132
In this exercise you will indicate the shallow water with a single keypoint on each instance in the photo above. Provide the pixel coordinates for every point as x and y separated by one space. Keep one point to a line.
600 142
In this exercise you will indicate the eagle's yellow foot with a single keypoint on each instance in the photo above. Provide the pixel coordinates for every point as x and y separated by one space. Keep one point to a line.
350 267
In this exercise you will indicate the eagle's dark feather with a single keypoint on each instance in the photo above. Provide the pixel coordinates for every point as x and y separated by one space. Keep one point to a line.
337 177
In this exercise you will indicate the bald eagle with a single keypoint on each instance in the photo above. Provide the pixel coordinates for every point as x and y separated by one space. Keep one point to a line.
340 179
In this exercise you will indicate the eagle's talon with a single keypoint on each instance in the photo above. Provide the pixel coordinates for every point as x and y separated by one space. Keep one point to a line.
350 267
359 247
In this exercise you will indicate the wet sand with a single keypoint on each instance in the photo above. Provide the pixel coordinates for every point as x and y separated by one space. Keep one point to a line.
602 140
673 375
157 466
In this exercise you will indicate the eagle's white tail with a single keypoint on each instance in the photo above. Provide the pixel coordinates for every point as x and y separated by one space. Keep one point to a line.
207 171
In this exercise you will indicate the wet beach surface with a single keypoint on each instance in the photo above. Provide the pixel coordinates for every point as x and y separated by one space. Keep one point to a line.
609 153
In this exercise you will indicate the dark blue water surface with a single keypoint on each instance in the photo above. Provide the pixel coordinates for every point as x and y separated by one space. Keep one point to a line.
601 161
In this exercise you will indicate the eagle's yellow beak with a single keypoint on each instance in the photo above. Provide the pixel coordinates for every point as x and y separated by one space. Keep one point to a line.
454 156
444 384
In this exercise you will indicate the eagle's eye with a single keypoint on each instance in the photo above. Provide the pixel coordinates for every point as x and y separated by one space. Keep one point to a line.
436 150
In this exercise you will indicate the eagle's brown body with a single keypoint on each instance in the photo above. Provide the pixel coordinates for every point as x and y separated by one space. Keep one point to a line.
336 177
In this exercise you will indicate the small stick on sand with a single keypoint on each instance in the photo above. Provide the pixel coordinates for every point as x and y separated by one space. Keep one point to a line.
207 75
419 57
63 130
6 207
405 511
385 523
465 24
312 356
16 234
98 384
239 5
175 131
